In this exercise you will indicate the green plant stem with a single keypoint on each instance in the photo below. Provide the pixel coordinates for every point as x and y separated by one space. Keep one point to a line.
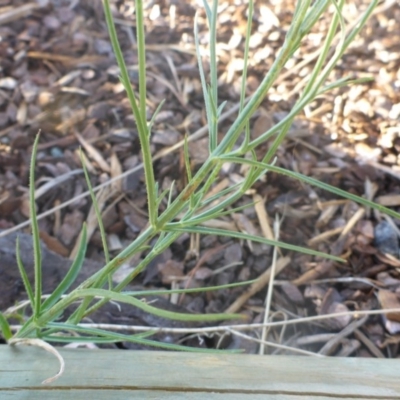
141 47
139 114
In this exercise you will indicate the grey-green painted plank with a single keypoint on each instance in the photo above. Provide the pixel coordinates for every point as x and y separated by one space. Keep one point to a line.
145 395
25 367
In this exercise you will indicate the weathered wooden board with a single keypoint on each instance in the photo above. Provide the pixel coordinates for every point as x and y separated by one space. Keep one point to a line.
117 374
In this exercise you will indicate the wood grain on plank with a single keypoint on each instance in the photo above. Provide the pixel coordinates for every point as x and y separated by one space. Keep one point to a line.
190 375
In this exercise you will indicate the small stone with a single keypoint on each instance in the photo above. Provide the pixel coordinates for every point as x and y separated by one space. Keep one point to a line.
386 239
8 83
51 22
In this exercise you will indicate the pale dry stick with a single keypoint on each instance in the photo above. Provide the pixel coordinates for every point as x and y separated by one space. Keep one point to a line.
349 346
268 298
307 145
93 153
324 236
68 60
312 339
385 169
259 206
262 280
283 330
272 344
389 200
39 192
332 344
368 344
195 136
223 328
17 13
174 73
225 267
351 222
326 215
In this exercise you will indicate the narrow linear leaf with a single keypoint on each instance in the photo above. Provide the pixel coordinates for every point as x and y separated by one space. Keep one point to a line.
96 209
221 108
162 196
109 336
344 82
37 252
24 275
5 327
171 190
72 274
208 10
203 82
187 158
153 118
245 236
316 182
199 219
186 291
106 294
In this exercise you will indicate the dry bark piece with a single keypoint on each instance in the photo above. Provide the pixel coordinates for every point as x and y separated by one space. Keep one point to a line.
293 293
389 299
331 304
53 244
170 271
71 226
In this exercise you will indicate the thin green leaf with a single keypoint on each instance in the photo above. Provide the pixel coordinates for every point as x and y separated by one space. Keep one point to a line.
250 11
150 309
245 236
187 158
208 10
96 209
316 182
171 189
221 108
72 274
141 49
160 292
344 82
24 275
203 82
326 48
162 196
213 125
199 219
153 118
220 194
109 336
37 251
5 328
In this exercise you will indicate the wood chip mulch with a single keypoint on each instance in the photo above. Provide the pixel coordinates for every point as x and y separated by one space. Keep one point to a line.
58 75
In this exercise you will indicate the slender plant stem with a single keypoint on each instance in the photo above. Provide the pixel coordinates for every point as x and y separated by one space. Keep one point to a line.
140 116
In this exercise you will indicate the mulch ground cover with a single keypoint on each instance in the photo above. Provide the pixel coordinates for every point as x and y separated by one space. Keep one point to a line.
58 75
